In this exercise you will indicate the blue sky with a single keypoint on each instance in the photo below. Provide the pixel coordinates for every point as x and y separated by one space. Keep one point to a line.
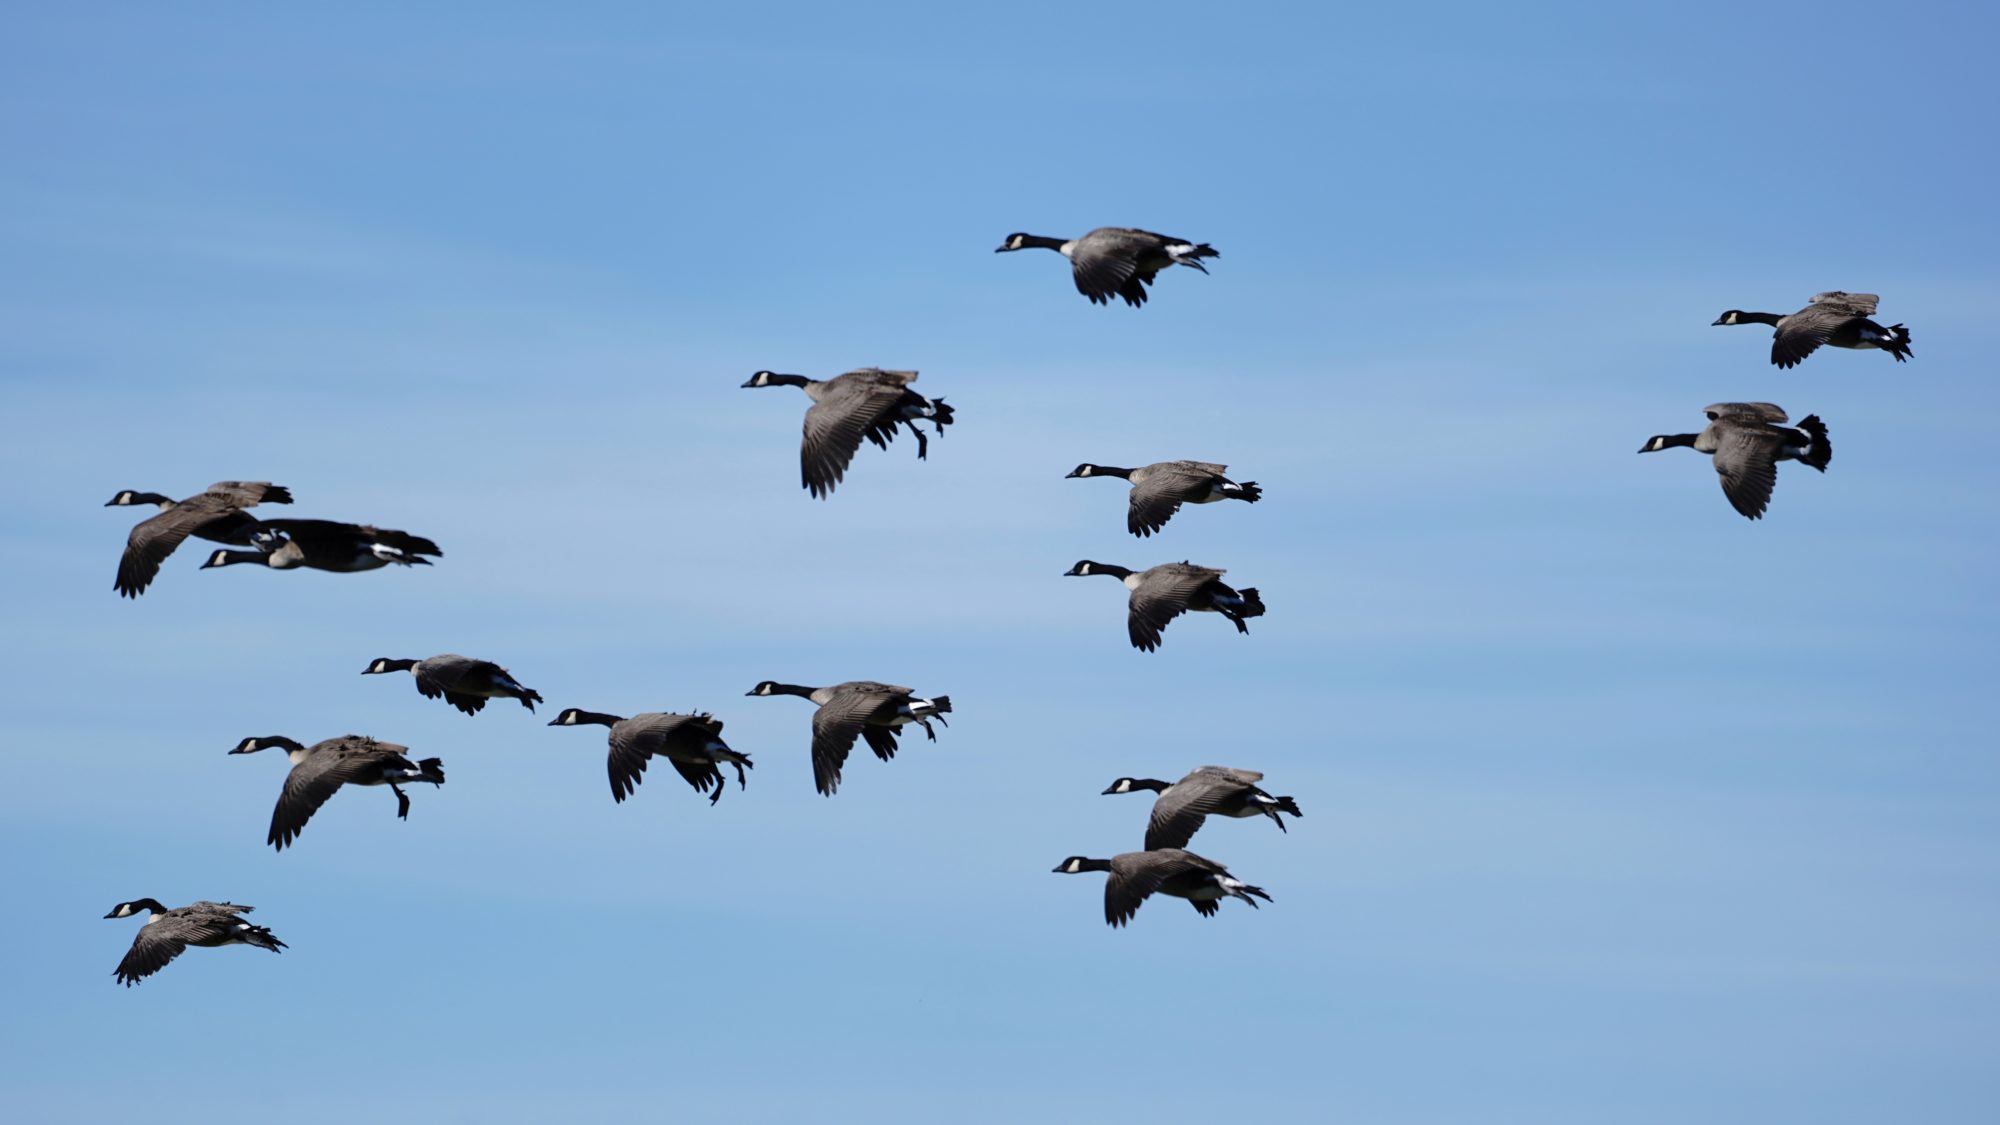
1618 807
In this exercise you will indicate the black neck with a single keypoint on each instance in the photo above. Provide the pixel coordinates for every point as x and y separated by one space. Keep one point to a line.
227 558
396 665
1668 441
1096 865
1110 471
1152 783
1119 572
267 742
799 690
1758 318
145 498
152 904
1032 240
776 380
593 717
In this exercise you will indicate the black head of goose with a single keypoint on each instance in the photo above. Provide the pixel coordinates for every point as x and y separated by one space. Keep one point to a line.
1746 441
692 744
1116 261
319 770
329 545
166 934
1204 792
1136 876
216 515
1162 593
869 402
1159 489
461 681
863 709
1836 318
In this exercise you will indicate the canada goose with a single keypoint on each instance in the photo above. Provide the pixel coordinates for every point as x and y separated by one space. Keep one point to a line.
1205 792
165 933
329 545
1840 319
1747 443
1168 871
463 682
319 770
1162 593
1117 261
860 708
216 515
1159 489
869 403
691 743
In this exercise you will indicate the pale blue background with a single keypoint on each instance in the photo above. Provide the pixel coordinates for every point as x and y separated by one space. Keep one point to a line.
1619 808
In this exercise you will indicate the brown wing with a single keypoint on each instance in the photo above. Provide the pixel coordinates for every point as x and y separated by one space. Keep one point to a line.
1746 460
152 540
842 719
316 779
1165 487
1101 276
248 493
1860 304
850 407
1136 875
1180 811
1163 594
163 939
438 676
1800 334
633 742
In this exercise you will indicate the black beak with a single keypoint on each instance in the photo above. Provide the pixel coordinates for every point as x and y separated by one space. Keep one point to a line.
1071 473
114 912
1717 320
750 382
1058 869
1109 791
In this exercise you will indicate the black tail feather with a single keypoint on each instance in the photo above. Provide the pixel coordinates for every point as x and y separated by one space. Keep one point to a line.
433 771
1898 343
1819 450
1253 604
1247 491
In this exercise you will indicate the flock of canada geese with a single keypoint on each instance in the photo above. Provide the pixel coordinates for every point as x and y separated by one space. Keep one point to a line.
1745 441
